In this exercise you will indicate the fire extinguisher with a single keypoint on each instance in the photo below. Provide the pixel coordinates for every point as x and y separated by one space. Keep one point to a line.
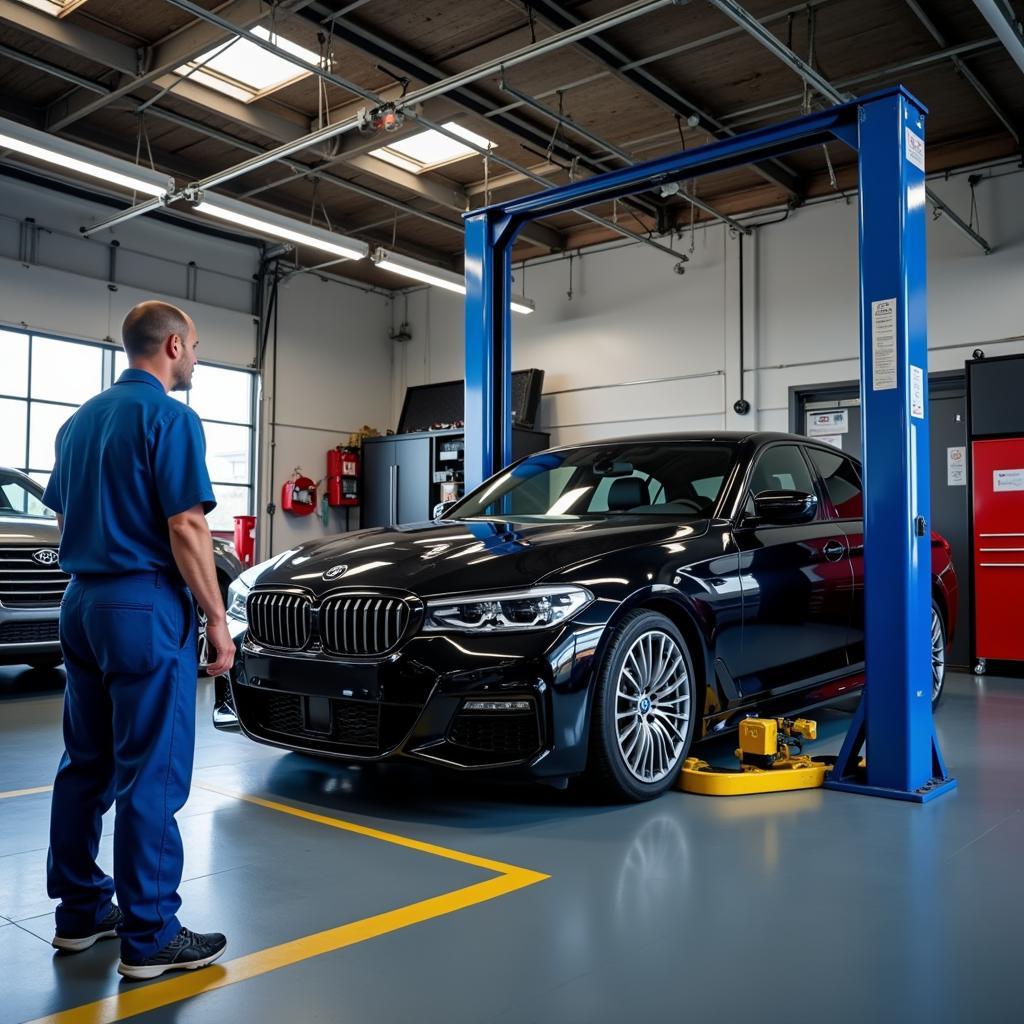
343 477
298 495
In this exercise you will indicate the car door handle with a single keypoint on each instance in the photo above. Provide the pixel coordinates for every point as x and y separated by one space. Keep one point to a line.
834 550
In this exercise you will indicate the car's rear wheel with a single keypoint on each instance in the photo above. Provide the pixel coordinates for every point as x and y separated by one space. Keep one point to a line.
938 654
645 709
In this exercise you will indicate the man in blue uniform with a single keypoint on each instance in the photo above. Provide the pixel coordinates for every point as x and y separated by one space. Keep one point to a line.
131 490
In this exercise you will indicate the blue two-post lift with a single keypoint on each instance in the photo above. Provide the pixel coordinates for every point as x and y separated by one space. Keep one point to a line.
893 727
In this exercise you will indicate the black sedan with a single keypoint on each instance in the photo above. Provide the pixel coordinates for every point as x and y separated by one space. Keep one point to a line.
592 610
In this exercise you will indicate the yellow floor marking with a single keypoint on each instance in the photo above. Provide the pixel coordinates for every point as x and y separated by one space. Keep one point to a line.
25 792
135 998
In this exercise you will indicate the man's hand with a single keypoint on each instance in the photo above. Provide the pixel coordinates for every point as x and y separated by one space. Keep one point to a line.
221 646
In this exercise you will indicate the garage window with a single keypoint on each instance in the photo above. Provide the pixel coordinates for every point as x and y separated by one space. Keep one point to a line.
46 379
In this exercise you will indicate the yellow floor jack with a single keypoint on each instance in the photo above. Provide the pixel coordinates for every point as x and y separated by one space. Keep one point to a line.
767 764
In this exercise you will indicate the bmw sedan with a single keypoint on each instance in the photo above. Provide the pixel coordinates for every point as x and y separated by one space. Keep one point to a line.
591 610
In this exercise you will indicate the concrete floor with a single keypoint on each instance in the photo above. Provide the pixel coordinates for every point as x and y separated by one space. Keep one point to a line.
843 907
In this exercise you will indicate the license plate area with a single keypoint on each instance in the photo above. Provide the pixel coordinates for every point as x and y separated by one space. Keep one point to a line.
318 716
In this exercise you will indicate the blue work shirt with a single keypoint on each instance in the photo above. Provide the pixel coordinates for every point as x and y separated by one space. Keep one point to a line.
126 461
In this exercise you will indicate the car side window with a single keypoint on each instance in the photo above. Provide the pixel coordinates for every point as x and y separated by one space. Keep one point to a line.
779 468
842 482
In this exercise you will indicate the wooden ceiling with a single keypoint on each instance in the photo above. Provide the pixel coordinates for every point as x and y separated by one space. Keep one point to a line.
86 76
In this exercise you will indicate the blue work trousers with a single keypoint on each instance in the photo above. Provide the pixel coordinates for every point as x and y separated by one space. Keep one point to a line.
130 651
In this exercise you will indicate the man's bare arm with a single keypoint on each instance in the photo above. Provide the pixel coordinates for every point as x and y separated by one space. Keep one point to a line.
60 523
192 548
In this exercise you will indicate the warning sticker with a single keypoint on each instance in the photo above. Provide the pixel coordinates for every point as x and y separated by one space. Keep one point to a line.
956 466
915 150
835 422
1008 480
917 392
883 345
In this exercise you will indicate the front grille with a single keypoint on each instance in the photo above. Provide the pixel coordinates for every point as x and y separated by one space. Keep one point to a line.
24 583
511 735
28 633
362 625
281 620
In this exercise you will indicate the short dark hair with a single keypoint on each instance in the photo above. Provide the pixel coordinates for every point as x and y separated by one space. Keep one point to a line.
148 325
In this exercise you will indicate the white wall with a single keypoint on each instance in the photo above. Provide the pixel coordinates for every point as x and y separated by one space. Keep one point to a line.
334 376
632 318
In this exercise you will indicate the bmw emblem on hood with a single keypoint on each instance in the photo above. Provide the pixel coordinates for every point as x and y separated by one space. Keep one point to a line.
47 556
335 572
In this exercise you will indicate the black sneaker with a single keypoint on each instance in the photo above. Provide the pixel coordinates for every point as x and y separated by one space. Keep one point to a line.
187 951
106 929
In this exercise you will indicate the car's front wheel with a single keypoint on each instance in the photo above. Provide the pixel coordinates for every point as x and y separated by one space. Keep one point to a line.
645 709
938 654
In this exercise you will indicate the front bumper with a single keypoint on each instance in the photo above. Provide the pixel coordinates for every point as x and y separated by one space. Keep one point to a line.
413 704
28 633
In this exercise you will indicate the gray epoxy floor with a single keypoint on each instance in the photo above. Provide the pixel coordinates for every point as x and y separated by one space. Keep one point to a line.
824 905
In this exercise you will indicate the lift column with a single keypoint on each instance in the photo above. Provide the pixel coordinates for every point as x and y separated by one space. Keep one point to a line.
894 724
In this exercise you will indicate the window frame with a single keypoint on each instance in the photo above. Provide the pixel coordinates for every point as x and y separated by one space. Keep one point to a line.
823 492
108 379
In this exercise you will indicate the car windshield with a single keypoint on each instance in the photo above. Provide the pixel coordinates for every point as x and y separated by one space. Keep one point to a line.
675 479
21 498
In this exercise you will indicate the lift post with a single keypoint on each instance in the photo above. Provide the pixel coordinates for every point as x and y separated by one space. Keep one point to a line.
887 130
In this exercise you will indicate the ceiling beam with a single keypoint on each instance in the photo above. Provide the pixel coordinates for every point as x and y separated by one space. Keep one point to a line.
158 60
1005 23
619 63
376 44
964 71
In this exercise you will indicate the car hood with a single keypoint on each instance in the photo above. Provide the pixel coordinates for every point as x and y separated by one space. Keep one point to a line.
29 530
465 555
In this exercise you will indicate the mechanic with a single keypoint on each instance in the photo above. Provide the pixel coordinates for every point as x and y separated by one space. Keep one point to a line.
131 490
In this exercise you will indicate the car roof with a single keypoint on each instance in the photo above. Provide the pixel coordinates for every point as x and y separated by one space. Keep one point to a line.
731 437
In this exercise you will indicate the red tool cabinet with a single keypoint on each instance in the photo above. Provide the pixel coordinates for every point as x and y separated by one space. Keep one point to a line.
998 496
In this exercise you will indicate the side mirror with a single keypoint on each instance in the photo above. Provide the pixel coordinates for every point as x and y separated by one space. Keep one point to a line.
785 506
440 508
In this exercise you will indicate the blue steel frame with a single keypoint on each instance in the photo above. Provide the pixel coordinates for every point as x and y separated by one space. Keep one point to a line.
893 722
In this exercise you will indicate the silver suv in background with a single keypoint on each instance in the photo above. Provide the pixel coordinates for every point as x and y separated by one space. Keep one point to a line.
31 581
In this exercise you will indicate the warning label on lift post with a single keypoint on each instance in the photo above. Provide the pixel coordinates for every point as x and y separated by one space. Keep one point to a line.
883 345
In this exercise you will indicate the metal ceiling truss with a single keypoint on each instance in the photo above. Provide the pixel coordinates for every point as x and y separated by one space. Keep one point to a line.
620 64
964 71
826 89
408 105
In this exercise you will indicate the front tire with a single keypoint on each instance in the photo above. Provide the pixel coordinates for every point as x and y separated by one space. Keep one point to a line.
938 654
645 709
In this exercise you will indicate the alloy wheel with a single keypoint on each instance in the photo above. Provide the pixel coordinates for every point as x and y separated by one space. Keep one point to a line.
938 654
652 706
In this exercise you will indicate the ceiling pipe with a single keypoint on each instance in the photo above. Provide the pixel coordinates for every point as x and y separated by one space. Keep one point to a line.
1006 25
585 133
419 96
795 63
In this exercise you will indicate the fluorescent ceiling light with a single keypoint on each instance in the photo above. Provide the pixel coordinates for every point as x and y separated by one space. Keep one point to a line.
245 71
426 150
58 8
69 156
263 222
417 270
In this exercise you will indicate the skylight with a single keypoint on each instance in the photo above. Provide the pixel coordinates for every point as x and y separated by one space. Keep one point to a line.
246 71
58 8
426 150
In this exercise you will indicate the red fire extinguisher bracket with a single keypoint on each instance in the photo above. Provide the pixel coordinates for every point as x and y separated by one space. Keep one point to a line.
298 496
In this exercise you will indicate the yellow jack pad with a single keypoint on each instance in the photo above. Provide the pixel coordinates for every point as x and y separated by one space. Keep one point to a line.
793 773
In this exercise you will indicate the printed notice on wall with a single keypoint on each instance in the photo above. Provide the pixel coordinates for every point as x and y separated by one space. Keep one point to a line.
836 440
883 345
915 149
956 467
1008 480
917 392
823 423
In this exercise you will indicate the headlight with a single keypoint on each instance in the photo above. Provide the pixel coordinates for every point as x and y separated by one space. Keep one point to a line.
237 593
536 608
